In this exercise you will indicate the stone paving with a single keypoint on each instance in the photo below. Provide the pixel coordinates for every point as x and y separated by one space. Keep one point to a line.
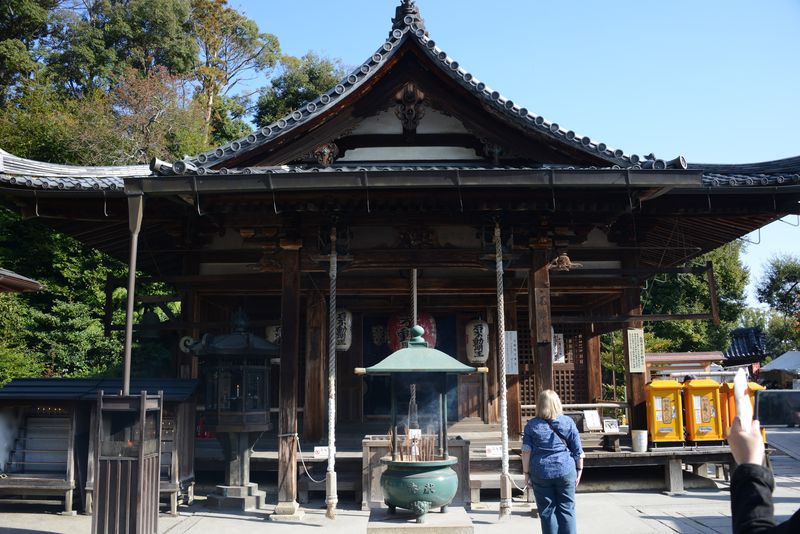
634 512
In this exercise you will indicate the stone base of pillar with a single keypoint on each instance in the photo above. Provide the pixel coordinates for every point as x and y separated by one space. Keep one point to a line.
288 511
247 497
332 497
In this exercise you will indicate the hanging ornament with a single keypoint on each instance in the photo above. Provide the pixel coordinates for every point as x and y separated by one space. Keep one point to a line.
399 330
273 334
344 330
477 341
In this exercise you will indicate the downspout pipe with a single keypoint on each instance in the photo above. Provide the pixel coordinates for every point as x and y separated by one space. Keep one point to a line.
135 213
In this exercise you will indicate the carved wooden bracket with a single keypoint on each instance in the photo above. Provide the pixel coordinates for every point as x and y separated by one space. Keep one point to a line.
410 108
326 154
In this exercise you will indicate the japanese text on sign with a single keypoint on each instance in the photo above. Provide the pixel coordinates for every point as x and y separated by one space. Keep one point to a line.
636 350
512 353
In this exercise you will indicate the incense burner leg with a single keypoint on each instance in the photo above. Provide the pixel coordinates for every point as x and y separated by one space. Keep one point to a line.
444 509
420 508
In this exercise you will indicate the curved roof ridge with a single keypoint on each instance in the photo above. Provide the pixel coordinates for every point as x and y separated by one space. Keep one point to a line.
412 27
784 165
11 164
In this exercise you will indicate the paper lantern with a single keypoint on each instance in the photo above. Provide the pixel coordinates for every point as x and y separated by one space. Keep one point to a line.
477 341
344 330
399 330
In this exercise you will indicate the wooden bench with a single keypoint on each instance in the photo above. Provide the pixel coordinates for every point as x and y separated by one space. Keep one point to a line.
41 462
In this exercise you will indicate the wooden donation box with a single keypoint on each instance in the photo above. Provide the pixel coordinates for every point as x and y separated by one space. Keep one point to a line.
127 459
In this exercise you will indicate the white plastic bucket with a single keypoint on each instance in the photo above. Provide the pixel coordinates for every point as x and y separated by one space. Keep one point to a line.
639 438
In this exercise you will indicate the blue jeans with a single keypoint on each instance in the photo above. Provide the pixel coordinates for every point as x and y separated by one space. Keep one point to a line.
555 500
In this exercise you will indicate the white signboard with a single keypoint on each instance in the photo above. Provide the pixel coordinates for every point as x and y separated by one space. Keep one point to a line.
636 350
415 433
512 353
494 451
320 453
592 419
558 348
610 426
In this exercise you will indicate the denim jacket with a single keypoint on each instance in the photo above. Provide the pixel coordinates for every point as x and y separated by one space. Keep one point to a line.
550 456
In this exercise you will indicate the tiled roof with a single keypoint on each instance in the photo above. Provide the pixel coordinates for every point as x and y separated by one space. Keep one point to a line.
411 28
11 281
714 179
748 345
41 175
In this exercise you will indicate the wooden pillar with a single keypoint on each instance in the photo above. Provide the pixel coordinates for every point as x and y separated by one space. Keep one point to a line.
316 376
634 382
513 397
540 320
287 413
594 370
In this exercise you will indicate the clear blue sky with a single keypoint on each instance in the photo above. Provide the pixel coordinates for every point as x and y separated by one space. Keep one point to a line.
714 80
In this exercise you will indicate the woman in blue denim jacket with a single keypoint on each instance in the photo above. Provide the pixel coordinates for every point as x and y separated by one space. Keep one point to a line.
552 460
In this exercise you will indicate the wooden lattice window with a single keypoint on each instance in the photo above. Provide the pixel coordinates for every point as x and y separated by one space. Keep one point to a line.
570 379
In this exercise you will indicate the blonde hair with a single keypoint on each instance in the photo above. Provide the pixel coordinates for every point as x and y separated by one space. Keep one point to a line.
548 406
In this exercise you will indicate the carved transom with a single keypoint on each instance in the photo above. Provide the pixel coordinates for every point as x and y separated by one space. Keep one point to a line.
417 237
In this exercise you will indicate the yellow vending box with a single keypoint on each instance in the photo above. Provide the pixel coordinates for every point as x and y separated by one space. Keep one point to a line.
703 417
728 404
664 411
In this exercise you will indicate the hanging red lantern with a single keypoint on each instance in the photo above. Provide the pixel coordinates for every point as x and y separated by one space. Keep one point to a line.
399 330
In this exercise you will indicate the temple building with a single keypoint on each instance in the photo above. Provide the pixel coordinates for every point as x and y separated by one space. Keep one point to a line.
415 177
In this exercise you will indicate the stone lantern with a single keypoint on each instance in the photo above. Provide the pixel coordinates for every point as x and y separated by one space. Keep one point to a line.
236 371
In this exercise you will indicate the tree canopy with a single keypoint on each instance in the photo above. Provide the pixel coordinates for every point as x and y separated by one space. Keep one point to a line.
301 80
114 82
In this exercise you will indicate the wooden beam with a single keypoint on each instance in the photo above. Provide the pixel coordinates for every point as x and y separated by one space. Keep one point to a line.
712 293
631 305
652 317
316 378
594 369
287 409
540 321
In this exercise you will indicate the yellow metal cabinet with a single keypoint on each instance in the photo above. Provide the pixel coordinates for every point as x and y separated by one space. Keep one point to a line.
703 413
664 411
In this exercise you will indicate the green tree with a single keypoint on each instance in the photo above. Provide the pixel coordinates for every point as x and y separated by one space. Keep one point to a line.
301 81
780 286
231 47
22 24
60 328
612 358
92 45
686 293
782 332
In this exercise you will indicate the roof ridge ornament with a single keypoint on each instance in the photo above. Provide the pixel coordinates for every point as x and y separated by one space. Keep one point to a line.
407 15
